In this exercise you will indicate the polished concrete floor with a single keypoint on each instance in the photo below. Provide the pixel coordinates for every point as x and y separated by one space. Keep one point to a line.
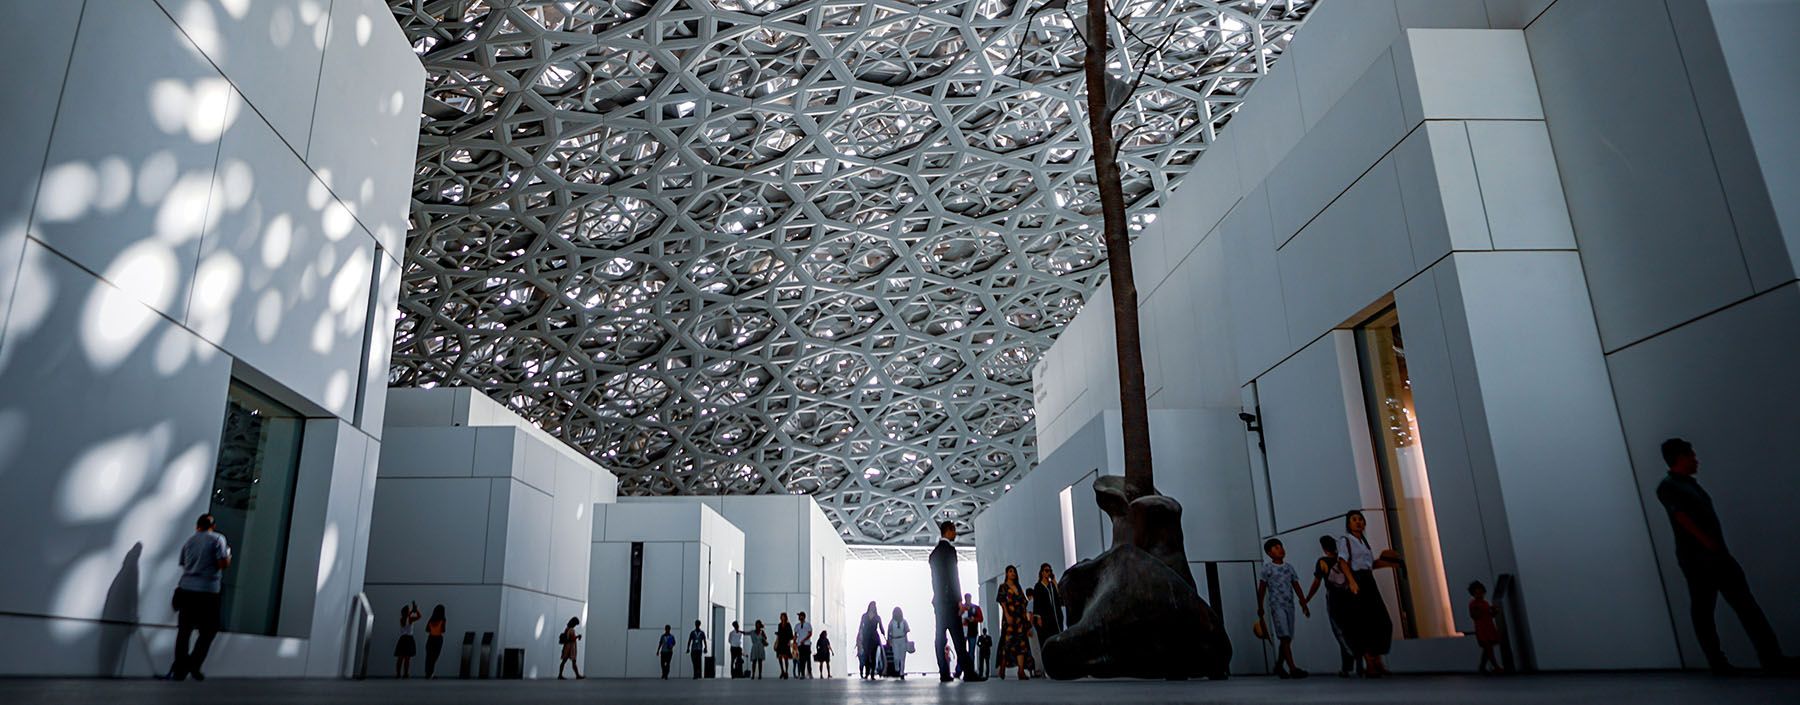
1633 689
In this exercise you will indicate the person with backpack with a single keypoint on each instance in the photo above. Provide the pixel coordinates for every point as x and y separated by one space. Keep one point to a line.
568 639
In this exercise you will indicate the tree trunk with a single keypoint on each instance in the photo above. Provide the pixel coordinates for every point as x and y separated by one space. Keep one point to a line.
1134 412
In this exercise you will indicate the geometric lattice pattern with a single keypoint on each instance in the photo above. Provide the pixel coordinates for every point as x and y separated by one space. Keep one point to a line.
812 246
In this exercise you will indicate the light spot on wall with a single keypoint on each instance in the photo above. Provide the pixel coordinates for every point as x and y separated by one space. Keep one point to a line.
365 28
216 287
104 479
182 215
328 549
268 315
156 176
69 190
198 22
112 322
82 594
278 240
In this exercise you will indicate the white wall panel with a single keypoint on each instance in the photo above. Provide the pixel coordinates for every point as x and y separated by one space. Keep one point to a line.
283 279
1729 408
131 159
1440 191
269 49
1524 198
41 35
1329 63
1465 74
428 452
528 538
429 530
1563 464
1353 254
381 344
609 607
1361 127
106 493
1643 195
1464 14
367 117
1514 14
571 531
1317 433
663 599
1258 313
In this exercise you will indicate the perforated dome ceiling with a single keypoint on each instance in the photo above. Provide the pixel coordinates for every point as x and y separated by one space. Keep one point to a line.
806 246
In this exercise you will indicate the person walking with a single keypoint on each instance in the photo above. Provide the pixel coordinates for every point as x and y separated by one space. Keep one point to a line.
759 647
822 654
696 648
1372 627
868 642
1277 586
1340 594
803 643
736 642
434 639
197 600
945 587
569 639
784 644
1707 564
665 648
406 647
1015 628
899 641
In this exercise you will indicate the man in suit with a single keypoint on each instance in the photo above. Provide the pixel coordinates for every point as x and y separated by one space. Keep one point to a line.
946 603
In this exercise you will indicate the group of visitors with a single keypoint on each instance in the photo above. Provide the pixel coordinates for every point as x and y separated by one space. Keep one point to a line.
796 653
1364 630
1353 602
1354 605
1028 618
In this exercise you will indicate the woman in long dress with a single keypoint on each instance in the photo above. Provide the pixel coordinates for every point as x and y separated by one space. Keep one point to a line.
899 640
784 644
1015 628
868 641
1371 628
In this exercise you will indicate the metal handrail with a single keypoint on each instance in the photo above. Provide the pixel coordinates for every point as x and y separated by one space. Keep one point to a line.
354 662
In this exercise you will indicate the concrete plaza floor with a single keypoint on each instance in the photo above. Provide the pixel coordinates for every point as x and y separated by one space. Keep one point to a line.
1632 689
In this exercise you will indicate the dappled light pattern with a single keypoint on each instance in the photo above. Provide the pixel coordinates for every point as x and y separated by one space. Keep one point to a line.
804 246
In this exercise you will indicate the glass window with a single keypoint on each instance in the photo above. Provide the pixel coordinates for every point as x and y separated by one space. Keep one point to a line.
253 502
1423 592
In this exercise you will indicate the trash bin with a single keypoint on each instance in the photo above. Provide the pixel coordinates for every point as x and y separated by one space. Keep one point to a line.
712 670
512 664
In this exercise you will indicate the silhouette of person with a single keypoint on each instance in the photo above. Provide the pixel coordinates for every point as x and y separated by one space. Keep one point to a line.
1707 564
946 590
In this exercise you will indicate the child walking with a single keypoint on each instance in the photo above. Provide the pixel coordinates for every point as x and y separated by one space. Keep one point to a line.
568 639
1280 586
1487 634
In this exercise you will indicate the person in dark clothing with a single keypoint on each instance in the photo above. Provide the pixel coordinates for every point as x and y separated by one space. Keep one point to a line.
946 588
696 648
1707 564
1046 605
986 651
197 601
665 649
868 641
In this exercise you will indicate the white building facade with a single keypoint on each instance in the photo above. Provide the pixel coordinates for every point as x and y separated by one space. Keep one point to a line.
202 213
1536 238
